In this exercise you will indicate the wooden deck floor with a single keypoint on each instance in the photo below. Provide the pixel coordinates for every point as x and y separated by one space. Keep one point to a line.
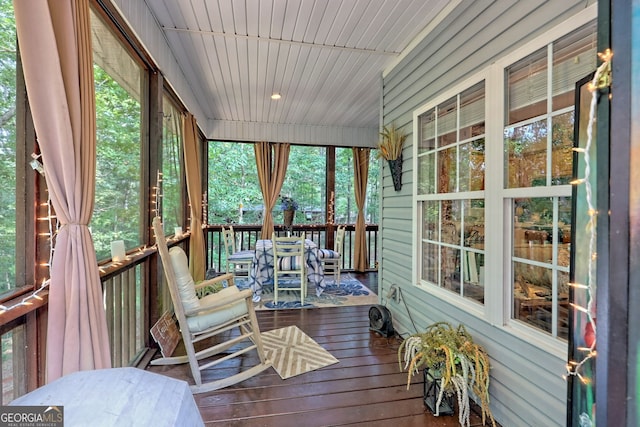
365 388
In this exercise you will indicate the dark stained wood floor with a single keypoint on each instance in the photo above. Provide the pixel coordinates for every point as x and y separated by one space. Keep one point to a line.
365 388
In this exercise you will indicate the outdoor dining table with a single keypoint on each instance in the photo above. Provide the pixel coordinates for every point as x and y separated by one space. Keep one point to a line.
261 270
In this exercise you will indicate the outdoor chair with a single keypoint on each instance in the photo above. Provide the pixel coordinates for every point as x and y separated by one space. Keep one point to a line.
238 262
332 258
289 265
209 321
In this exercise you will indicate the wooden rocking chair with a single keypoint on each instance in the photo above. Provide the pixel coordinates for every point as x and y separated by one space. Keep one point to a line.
210 319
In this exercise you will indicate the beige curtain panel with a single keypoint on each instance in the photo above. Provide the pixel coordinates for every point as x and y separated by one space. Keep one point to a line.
192 161
361 173
271 162
57 61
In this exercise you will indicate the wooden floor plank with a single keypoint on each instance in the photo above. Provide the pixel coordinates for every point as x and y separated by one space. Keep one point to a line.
365 388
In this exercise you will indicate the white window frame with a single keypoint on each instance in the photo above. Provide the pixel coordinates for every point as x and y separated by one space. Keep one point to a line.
444 294
498 287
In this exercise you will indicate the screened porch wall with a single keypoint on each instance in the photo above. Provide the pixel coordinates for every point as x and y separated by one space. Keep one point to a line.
527 387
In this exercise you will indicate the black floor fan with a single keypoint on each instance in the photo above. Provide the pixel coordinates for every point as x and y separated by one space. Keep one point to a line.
380 320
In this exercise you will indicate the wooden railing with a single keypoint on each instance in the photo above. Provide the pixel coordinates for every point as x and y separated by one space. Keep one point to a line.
134 298
248 234
125 308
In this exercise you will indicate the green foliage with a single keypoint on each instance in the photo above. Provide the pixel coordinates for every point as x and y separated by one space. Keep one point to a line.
461 364
233 182
8 74
171 201
116 213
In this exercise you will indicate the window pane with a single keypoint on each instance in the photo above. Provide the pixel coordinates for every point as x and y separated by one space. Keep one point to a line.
345 208
427 131
474 223
533 295
13 345
306 183
451 220
172 203
526 155
527 88
447 122
233 189
450 268
562 148
473 266
472 166
431 220
118 80
430 263
574 57
472 112
541 252
426 173
372 205
8 99
447 170
473 272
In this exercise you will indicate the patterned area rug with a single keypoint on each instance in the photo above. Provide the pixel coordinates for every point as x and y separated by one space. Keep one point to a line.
349 292
293 352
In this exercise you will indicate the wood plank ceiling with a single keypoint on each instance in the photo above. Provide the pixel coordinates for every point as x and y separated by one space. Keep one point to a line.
325 57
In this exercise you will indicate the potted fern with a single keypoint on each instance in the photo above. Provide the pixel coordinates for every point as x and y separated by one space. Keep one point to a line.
449 356
390 149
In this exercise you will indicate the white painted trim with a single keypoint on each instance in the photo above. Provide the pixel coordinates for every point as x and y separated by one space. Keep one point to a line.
493 242
415 214
469 306
539 339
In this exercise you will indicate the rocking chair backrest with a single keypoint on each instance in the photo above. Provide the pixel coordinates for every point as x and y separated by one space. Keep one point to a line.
170 273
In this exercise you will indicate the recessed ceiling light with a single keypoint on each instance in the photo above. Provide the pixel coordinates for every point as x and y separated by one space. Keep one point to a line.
276 96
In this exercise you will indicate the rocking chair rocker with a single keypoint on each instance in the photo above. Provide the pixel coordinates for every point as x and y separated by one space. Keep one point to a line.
211 318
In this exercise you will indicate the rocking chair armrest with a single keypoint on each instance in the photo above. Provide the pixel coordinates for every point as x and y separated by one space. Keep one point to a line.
246 294
227 276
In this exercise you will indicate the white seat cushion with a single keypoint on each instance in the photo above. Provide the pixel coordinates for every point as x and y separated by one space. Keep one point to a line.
184 281
246 255
328 254
200 322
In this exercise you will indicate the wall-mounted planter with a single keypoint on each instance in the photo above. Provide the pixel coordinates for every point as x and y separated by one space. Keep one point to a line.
396 172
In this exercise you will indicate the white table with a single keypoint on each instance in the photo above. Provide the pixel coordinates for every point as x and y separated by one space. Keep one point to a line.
261 271
118 397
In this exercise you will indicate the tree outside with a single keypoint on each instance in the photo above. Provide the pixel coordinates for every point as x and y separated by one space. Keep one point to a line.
234 194
8 73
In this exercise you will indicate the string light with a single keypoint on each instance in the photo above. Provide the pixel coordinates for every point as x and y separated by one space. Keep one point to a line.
157 194
26 301
35 295
331 209
205 210
601 80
